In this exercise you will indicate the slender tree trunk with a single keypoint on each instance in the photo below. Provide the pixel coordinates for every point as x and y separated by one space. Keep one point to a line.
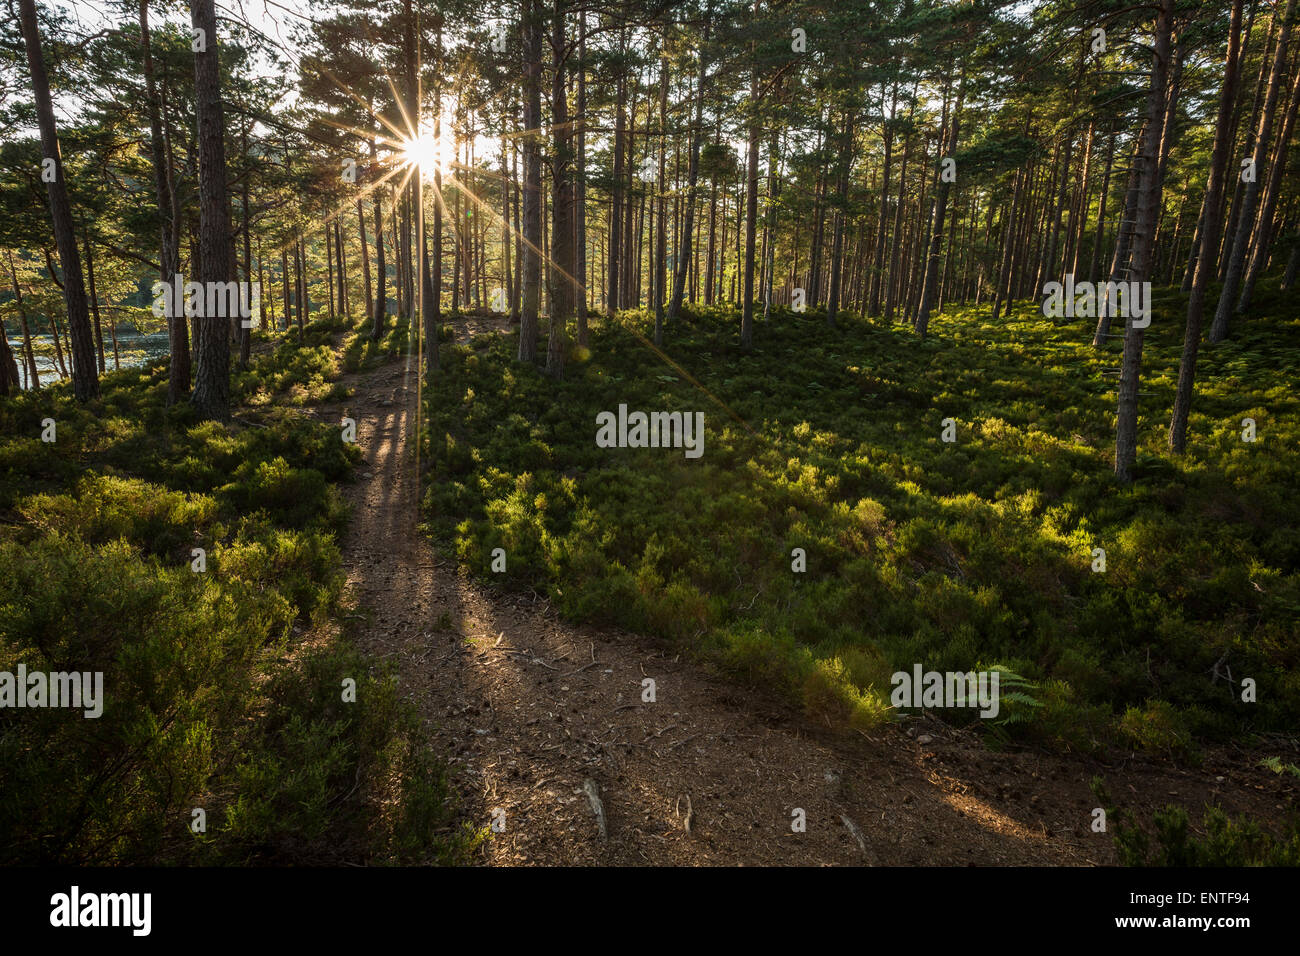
936 236
562 249
1143 234
878 266
507 273
284 276
769 221
580 185
94 305
1002 291
243 329
380 308
365 264
837 242
1224 254
711 260
340 267
178 371
211 395
1100 235
1232 282
751 211
85 382
613 273
661 192
300 294
1121 263
517 295
1213 210
532 212
431 272
329 271
1263 237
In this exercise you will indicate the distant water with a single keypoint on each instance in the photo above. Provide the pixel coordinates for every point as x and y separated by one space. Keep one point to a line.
133 350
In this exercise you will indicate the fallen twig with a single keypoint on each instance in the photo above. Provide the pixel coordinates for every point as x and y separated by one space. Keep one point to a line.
857 835
690 812
592 791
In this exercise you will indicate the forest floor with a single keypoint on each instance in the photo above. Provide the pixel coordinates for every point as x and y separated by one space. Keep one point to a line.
531 711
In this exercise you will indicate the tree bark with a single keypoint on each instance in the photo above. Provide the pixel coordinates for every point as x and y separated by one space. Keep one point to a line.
85 381
380 308
1143 233
532 211
562 249
936 237
1263 235
580 183
178 333
1250 197
1210 234
211 397
751 211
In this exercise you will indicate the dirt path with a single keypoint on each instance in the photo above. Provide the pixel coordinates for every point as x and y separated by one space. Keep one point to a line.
529 708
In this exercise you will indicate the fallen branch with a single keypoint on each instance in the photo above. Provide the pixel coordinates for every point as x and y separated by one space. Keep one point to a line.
857 835
690 812
592 791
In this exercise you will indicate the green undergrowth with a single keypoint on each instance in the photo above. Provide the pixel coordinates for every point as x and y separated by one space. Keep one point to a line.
361 351
191 562
1168 838
956 556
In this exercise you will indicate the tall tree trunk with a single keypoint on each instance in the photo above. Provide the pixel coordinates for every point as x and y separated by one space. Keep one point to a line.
532 212
1003 278
1224 254
243 327
431 272
284 276
580 184
94 304
562 251
769 221
380 307
1143 234
329 270
341 265
878 265
1079 211
940 212
1121 263
85 382
212 366
614 277
898 218
508 276
751 208
517 295
178 333
1250 198
1263 235
661 195
1210 235
300 287
1102 197
365 264
841 197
